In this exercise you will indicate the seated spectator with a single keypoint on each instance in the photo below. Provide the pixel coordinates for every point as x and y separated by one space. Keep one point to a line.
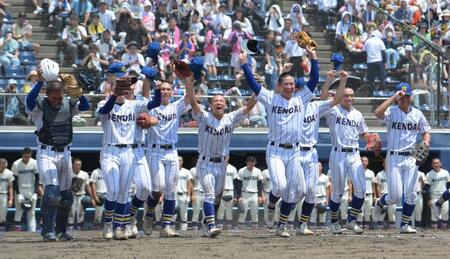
94 61
445 26
106 45
59 11
162 17
4 27
286 31
353 39
95 28
137 33
83 9
274 18
197 29
257 116
21 25
423 30
148 18
271 65
106 86
375 49
136 8
327 10
15 110
297 17
403 13
72 42
37 6
342 28
392 56
419 78
294 55
174 34
32 79
211 51
10 51
107 17
132 59
186 49
239 16
222 21
210 7
235 38
123 23
27 43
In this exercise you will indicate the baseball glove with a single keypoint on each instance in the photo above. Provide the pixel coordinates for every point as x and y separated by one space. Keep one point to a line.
122 86
374 143
71 86
146 121
321 208
304 40
101 199
227 198
77 183
181 67
420 152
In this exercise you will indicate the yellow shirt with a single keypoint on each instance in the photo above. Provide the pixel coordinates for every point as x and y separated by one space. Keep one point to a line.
95 29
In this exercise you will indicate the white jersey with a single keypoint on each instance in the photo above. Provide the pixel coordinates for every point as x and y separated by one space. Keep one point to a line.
229 177
119 125
6 177
402 128
438 181
139 133
26 175
184 177
267 184
285 117
322 184
166 132
346 126
97 179
85 177
422 179
381 180
250 179
197 186
311 122
214 135
370 179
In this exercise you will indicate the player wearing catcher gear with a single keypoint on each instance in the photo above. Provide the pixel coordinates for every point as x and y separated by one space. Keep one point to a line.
228 200
438 181
52 116
118 116
98 188
286 112
215 131
403 124
26 180
6 191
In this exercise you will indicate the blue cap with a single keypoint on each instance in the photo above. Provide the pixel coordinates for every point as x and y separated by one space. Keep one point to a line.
118 69
196 66
300 82
337 59
149 72
153 50
405 87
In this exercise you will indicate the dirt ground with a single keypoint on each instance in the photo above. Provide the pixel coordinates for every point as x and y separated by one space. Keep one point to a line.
243 244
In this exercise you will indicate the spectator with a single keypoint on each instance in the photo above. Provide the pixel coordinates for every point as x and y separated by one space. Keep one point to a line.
15 109
137 33
235 38
123 22
106 45
95 28
106 86
257 116
72 41
80 187
222 21
327 10
353 39
94 61
403 13
376 54
247 25
419 77
294 55
186 49
161 17
392 56
174 34
423 30
6 191
136 8
297 17
210 49
445 26
83 9
59 11
271 66
197 29
37 6
21 25
24 35
286 31
10 51
343 26
148 18
107 17
132 59
32 79
274 18
4 27
210 8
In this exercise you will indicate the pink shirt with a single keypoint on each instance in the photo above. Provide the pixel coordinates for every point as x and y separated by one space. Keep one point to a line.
210 43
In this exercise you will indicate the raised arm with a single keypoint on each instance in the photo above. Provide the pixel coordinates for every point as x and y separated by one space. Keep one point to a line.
340 91
248 74
379 112
314 74
156 101
190 94
326 86
33 94
250 104
84 104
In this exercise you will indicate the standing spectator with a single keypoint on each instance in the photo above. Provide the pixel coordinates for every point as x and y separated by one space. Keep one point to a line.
26 182
95 28
107 17
438 180
132 59
59 11
222 21
274 18
98 188
174 34
318 214
83 9
247 25
297 17
366 212
148 17
235 38
376 54
271 66
226 204
15 109
10 51
211 51
186 49
6 191
80 187
106 45
184 193
72 42
137 33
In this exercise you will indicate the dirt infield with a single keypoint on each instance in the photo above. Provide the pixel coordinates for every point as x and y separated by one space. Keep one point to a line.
245 244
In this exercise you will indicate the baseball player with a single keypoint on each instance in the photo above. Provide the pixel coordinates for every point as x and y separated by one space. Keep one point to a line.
184 193
318 214
420 188
381 189
267 186
403 123
308 139
438 180
98 189
228 197
52 115
346 197
162 158
80 187
364 216
26 180
249 192
286 112
6 191
197 198
346 125
118 118
215 131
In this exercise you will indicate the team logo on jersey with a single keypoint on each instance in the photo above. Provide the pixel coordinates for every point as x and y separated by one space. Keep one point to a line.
284 110
26 171
249 178
166 117
122 117
309 119
5 180
404 126
439 179
346 122
218 132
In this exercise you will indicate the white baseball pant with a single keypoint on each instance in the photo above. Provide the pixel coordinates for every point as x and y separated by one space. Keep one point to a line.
212 178
343 209
309 161
142 179
419 208
320 216
163 170
55 168
390 213
31 215
158 211
182 204
226 207
366 210
197 205
3 207
77 210
249 201
444 210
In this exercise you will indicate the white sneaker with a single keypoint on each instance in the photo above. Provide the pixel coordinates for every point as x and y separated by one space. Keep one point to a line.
148 225
128 231
335 228
407 229
168 231
354 227
436 210
282 231
304 231
108 231
214 231
119 234
133 228
377 212
183 226
38 10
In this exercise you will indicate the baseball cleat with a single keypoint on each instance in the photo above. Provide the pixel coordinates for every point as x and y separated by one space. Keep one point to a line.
353 226
129 232
214 231
133 228
304 231
407 229
335 228
120 234
65 237
49 237
168 231
108 231
436 210
148 225
282 231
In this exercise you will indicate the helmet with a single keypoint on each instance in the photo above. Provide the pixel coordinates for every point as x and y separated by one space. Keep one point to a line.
49 69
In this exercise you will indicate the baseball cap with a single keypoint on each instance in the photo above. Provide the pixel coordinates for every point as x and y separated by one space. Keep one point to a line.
300 82
405 87
12 82
149 72
118 69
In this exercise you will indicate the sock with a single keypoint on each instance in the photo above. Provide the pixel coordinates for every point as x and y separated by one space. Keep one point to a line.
382 201
334 211
407 211
109 210
285 210
356 208
168 211
306 212
135 205
120 215
208 210
272 200
216 207
151 204
445 197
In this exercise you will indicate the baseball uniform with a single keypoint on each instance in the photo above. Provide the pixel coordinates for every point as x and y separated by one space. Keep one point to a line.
249 195
199 195
421 182
438 184
226 204
320 199
6 178
100 186
79 183
267 186
343 209
26 175
182 196
381 180
368 200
